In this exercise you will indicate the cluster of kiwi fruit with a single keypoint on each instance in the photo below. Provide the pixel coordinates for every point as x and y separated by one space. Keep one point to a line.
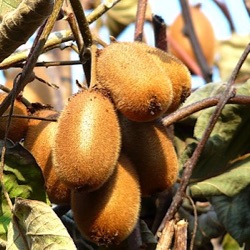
108 147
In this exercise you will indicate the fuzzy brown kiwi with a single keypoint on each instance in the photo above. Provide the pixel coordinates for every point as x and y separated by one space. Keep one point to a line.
109 214
204 32
178 73
151 150
87 142
39 141
140 89
18 126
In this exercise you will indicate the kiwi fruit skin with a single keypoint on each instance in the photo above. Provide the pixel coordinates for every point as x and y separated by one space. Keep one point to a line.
87 142
179 75
39 141
18 126
204 32
108 215
152 152
140 89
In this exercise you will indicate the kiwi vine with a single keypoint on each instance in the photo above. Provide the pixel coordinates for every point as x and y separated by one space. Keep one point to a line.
117 162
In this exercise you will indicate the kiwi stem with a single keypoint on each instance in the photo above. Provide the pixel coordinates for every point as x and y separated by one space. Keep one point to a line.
75 30
93 64
189 28
190 164
140 19
160 33
86 36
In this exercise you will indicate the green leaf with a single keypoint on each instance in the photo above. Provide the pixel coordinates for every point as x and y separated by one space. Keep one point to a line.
22 178
233 213
229 183
228 140
36 226
8 5
229 243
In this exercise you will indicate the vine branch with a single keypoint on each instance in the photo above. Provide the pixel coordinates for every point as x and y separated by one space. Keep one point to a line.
200 105
190 164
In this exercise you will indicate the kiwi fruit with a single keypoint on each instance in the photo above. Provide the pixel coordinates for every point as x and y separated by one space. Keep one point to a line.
151 150
179 75
87 142
18 126
108 215
39 141
204 32
139 87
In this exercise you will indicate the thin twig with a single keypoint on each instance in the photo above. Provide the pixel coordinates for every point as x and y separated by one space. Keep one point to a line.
186 58
74 27
30 117
140 19
84 49
51 64
189 28
195 222
101 9
189 165
52 85
200 105
58 37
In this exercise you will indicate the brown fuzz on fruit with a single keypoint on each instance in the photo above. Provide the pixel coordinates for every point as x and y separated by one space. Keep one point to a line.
179 75
204 32
108 215
151 150
87 142
18 126
39 141
140 89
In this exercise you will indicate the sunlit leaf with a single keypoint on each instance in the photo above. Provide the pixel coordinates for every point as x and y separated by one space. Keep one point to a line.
8 5
36 226
17 26
230 51
229 243
233 213
230 183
